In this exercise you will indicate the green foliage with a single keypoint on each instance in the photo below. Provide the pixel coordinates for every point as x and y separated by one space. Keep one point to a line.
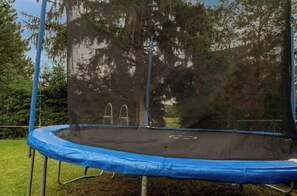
171 111
55 31
53 96
12 47
15 72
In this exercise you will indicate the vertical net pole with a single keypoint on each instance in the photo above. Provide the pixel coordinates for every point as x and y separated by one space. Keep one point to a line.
35 90
293 88
37 66
148 84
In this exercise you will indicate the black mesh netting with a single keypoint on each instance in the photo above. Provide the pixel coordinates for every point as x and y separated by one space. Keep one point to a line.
212 65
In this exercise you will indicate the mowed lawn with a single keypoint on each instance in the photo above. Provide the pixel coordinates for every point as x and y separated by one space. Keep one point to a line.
14 170
172 122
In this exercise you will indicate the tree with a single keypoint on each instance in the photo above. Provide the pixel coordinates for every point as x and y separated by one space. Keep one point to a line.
15 70
182 32
255 82
53 96
125 31
55 40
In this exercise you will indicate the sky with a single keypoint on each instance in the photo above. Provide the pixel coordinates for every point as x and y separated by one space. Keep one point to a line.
33 8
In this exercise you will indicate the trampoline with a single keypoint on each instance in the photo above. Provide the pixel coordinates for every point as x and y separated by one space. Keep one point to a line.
235 171
185 90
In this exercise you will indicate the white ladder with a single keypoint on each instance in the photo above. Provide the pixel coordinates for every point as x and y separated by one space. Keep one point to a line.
108 116
124 119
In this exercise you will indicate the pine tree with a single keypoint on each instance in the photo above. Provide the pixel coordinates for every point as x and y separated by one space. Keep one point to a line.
15 69
53 96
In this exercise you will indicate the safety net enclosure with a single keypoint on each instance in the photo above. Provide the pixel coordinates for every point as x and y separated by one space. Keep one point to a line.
211 65
179 88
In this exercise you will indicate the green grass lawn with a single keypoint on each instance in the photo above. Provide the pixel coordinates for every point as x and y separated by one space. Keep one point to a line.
14 172
172 122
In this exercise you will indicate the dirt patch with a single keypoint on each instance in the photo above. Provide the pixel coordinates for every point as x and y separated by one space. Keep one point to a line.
131 185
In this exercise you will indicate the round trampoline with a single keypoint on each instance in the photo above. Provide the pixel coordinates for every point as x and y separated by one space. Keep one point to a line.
234 171
188 90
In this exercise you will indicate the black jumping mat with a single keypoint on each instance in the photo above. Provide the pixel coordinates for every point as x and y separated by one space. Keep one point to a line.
185 144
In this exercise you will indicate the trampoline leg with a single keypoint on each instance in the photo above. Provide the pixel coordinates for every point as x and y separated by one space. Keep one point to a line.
86 171
59 173
32 155
144 186
286 192
113 175
43 176
84 176
101 173
240 187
